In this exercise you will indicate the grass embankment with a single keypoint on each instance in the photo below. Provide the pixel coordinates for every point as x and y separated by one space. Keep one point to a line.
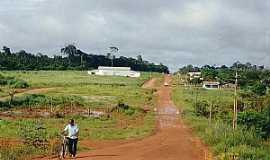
75 92
217 132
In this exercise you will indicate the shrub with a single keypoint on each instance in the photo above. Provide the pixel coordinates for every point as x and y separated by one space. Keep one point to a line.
34 135
3 81
124 108
129 111
13 82
244 143
17 83
20 84
4 104
39 99
260 121
259 89
201 108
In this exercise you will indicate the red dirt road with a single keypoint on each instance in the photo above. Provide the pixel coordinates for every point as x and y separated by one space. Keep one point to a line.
172 141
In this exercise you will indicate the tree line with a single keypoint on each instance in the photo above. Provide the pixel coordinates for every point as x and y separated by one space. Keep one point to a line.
74 59
253 95
255 78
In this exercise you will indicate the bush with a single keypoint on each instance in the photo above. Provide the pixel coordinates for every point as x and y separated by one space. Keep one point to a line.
3 81
243 142
259 89
260 121
34 135
20 84
124 108
13 82
39 99
129 111
4 104
17 83
201 108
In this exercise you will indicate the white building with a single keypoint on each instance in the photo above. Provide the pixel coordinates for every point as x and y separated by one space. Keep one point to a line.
115 71
211 85
193 75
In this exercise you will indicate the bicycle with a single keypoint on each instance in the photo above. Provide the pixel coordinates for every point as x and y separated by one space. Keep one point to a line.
64 148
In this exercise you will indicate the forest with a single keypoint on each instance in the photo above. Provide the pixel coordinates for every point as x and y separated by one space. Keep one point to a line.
73 59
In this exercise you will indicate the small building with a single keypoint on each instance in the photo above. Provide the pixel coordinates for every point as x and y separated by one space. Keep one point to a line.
228 85
115 71
211 85
193 75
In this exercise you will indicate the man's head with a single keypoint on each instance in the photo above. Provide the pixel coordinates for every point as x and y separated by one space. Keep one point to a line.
71 122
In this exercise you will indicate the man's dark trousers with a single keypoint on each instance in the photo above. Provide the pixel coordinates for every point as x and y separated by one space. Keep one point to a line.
72 146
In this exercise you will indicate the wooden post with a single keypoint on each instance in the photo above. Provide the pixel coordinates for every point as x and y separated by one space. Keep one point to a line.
51 107
89 111
235 109
71 106
210 116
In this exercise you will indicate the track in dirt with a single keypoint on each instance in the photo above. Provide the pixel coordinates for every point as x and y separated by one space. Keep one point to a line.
172 141
28 91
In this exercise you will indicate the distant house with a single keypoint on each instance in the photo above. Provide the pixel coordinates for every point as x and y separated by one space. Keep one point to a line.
115 71
211 85
228 85
193 75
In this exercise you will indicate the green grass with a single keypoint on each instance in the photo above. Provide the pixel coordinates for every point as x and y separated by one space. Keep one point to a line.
96 92
71 78
219 135
117 127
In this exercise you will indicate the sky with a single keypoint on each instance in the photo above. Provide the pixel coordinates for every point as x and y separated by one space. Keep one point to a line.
172 32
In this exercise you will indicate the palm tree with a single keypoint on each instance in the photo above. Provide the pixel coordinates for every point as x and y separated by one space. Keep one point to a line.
113 50
6 50
69 50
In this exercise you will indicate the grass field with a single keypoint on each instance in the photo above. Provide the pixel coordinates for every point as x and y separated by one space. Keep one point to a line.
218 133
71 78
81 92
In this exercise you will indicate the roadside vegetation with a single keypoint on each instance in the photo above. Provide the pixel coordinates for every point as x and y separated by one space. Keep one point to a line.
210 112
105 108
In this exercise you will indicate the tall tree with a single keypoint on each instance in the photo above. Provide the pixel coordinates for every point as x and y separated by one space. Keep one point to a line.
6 50
69 50
139 58
113 51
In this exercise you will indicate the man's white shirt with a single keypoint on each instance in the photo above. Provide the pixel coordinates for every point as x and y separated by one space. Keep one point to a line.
72 131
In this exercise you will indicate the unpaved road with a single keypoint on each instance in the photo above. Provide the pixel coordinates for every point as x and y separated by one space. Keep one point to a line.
28 91
149 84
172 140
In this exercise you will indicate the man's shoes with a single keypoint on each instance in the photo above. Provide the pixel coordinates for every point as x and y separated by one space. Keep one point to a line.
74 156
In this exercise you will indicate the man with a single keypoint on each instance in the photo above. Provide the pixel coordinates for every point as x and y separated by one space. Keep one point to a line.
72 131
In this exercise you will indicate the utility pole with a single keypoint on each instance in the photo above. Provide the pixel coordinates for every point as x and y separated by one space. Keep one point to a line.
235 109
178 77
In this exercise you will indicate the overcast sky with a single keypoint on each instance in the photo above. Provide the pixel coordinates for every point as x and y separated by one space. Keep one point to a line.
174 32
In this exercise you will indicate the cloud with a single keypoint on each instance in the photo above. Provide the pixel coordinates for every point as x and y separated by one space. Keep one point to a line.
174 32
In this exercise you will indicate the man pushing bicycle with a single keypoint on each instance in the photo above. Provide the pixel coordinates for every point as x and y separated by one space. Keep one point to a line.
72 131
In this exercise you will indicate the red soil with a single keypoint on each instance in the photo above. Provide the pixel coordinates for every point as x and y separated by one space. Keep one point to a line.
172 141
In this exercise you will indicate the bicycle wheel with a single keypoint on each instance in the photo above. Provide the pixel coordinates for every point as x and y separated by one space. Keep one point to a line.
63 151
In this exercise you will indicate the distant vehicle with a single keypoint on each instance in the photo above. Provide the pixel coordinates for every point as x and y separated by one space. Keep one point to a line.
166 84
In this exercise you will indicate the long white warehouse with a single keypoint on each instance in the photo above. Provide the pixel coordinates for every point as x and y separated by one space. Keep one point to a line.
115 71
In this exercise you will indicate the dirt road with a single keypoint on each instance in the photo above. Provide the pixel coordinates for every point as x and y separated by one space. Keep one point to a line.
173 141
21 92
